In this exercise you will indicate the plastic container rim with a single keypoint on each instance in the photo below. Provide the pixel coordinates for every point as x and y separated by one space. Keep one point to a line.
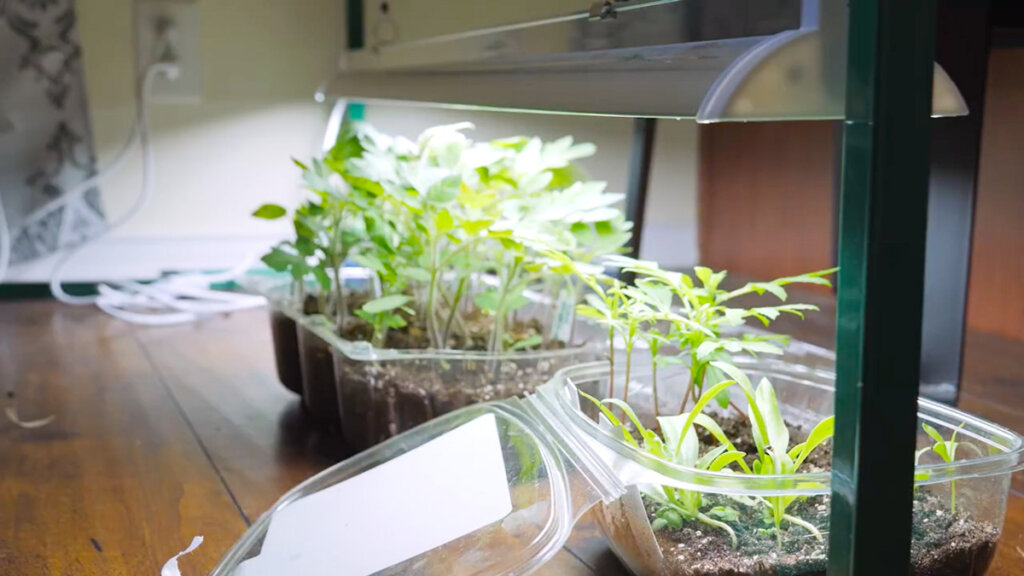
1008 461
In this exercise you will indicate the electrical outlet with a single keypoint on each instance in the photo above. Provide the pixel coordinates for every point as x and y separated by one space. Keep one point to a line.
169 29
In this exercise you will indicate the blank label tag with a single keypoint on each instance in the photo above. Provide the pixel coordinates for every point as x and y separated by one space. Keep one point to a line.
561 326
431 495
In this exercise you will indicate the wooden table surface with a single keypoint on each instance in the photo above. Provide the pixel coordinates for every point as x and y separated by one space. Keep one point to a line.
161 434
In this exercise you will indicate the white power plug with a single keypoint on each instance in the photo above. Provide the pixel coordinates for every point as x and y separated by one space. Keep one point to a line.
167 32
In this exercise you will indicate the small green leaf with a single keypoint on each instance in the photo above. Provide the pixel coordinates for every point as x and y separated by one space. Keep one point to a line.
709 457
778 434
723 398
414 273
703 274
528 342
724 513
725 459
444 222
322 278
270 212
487 301
672 517
515 302
385 303
933 433
822 432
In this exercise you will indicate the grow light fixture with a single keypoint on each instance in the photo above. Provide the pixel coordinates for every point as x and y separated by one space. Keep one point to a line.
710 60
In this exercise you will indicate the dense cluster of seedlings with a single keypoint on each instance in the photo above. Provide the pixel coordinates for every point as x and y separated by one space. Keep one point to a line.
673 311
455 234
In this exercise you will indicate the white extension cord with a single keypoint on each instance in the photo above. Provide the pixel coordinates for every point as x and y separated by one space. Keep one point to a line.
175 299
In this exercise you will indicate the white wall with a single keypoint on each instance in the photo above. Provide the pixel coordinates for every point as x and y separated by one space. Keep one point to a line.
216 161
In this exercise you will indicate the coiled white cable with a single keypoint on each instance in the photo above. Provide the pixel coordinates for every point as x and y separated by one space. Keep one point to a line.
176 299
141 134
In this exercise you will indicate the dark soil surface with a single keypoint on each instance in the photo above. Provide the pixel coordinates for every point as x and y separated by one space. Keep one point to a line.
738 430
943 544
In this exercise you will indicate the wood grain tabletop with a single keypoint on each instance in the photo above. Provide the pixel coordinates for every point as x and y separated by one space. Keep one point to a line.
162 434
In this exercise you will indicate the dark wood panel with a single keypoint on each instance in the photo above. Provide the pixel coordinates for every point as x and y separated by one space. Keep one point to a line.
996 295
117 483
765 199
222 374
766 196
1009 560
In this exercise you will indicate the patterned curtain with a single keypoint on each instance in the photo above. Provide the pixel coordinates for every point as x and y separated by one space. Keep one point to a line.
45 139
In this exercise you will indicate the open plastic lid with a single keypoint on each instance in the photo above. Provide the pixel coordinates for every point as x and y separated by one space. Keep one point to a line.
479 491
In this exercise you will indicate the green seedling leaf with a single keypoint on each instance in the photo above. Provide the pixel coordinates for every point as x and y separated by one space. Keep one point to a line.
514 302
414 273
270 212
933 433
369 261
778 434
385 303
672 428
753 411
322 278
488 300
612 419
672 518
728 458
530 342
707 349
444 222
819 435
725 513
709 457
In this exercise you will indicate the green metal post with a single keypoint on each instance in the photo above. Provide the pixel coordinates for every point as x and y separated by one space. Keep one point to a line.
354 17
880 290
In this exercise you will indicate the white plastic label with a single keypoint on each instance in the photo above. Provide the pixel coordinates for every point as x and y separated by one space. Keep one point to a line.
431 495
561 326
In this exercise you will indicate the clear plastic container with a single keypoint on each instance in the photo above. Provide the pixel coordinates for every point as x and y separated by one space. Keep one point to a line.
384 392
946 542
545 494
318 377
556 462
285 333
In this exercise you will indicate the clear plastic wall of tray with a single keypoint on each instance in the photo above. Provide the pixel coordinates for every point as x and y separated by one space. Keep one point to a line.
552 461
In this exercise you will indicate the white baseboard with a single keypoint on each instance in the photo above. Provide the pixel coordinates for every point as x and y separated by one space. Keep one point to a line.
143 258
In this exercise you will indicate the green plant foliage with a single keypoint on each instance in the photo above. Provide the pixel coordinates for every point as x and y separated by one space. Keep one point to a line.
678 444
692 316
457 228
946 450
667 309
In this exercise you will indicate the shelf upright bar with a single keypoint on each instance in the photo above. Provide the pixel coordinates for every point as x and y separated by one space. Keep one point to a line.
641 155
884 211
962 48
